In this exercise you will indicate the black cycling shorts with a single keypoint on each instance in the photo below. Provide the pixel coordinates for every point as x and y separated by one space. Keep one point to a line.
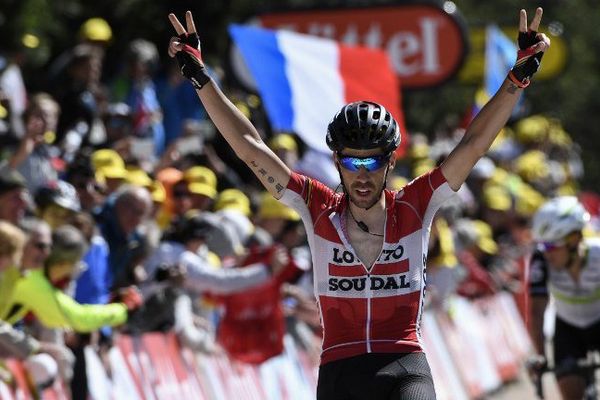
571 344
377 376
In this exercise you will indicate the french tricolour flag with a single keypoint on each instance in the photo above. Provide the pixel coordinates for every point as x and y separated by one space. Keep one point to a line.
305 80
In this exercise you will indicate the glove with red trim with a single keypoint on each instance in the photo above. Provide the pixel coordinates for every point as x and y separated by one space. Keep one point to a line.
529 59
190 60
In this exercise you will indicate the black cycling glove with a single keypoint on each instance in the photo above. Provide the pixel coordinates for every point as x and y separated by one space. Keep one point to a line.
528 61
190 60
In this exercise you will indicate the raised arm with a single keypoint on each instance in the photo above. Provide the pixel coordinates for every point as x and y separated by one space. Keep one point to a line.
233 125
493 116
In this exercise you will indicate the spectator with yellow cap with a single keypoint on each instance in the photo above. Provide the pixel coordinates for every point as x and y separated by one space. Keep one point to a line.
201 174
442 274
284 145
497 207
233 199
181 199
138 177
475 246
532 131
96 30
158 193
532 167
233 208
110 168
274 216
106 158
202 186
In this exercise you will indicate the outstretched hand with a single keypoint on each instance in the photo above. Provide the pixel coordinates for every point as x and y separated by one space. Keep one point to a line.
532 45
185 47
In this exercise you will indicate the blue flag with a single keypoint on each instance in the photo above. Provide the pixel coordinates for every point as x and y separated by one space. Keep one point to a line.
500 56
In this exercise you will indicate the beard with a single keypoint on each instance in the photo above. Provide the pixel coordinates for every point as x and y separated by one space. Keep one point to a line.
364 195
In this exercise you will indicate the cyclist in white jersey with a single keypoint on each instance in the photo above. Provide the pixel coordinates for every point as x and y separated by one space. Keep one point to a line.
368 244
566 268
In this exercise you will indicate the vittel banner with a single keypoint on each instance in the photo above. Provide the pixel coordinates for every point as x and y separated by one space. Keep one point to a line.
426 45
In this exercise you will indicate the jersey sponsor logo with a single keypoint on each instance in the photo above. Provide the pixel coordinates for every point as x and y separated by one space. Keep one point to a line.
348 258
392 254
343 256
391 282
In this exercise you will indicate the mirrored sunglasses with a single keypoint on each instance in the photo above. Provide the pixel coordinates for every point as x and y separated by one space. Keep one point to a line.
371 163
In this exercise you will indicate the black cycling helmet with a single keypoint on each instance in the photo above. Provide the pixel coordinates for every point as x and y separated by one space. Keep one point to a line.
363 125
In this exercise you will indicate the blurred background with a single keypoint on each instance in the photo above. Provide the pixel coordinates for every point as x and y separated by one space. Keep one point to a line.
568 95
112 176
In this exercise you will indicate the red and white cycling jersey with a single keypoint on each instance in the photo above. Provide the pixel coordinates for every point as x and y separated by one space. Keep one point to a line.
366 311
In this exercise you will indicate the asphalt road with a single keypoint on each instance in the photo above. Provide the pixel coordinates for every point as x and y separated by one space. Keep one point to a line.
522 389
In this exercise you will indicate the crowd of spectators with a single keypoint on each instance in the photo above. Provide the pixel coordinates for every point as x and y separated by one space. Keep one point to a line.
123 211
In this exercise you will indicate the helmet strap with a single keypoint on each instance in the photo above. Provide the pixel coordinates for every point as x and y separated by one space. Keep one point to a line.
574 250
387 168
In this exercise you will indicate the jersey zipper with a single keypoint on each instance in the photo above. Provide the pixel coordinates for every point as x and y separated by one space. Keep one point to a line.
369 293
368 326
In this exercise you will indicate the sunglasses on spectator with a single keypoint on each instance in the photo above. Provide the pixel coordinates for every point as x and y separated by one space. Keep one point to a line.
87 185
550 246
181 193
370 163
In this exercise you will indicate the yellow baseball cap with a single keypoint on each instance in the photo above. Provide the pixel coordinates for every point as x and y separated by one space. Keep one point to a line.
203 189
485 240
110 172
107 157
138 177
497 198
532 166
96 29
158 192
527 200
233 199
283 141
532 129
200 174
270 207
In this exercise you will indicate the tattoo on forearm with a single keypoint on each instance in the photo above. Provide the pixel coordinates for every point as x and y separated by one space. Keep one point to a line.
512 88
270 179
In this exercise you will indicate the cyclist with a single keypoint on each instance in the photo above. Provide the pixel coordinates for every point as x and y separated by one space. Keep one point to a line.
565 267
368 243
